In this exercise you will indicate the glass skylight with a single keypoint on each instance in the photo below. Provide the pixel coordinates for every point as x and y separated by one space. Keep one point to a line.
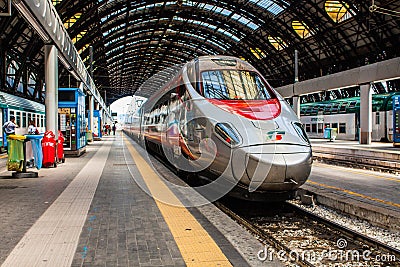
277 42
271 6
301 29
338 10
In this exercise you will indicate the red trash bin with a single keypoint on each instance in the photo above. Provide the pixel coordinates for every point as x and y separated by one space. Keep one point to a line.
60 147
49 149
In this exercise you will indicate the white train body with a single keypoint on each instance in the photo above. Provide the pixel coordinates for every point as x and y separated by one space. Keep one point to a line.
253 140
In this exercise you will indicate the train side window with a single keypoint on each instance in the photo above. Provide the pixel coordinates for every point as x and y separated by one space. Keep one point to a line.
24 124
335 108
352 104
378 118
342 128
343 107
18 118
314 128
334 125
308 128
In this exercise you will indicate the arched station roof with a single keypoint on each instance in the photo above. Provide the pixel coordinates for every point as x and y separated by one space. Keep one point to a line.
133 40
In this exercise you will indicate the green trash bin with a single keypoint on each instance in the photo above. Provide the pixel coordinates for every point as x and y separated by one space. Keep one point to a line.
15 152
89 136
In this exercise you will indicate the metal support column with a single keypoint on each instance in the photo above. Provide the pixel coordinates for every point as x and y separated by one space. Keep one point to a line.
3 64
296 98
365 114
51 78
91 108
296 105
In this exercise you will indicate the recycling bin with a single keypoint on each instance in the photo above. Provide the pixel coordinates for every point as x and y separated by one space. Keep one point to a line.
49 149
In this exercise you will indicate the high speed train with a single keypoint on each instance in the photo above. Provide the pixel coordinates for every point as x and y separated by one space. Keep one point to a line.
219 118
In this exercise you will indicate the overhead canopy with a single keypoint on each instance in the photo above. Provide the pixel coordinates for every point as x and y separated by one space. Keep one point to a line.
133 40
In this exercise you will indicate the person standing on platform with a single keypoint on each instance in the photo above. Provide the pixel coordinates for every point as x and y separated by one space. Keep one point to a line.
114 128
32 128
9 126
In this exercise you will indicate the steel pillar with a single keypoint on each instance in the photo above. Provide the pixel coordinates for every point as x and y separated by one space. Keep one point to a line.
296 105
51 78
91 109
365 114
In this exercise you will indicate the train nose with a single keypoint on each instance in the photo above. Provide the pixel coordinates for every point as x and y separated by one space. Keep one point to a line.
272 167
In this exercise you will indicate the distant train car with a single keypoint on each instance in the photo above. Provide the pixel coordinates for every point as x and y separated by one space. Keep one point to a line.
220 113
23 110
344 115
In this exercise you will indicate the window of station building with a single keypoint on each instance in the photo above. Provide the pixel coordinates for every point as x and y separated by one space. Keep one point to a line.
308 128
334 125
320 127
314 128
301 29
277 43
338 11
342 128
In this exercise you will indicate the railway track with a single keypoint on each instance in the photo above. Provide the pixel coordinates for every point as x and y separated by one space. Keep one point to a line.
301 238
358 161
289 228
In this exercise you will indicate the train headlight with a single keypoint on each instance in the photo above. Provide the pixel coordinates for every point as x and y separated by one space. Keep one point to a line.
227 133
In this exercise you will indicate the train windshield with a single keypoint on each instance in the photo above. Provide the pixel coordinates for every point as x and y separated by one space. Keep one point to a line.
234 85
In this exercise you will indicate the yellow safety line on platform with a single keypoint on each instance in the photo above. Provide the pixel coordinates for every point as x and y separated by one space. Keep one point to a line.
355 194
195 244
361 173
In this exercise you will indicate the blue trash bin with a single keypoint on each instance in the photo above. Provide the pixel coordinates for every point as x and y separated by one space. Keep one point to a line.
36 141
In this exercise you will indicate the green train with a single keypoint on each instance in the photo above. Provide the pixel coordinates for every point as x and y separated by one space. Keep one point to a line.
344 115
23 110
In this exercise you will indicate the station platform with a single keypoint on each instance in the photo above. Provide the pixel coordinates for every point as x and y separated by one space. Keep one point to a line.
377 154
363 193
105 209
